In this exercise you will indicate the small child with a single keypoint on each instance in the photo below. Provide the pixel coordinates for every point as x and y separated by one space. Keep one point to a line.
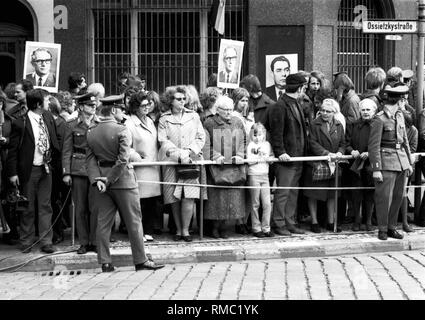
258 176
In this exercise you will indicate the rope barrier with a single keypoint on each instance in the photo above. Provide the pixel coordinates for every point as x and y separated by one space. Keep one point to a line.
258 187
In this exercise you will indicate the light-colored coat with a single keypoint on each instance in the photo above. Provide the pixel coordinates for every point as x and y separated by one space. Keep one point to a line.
174 135
145 148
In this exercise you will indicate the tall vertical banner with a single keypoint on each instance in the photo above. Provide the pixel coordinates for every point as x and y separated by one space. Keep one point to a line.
229 63
217 15
41 65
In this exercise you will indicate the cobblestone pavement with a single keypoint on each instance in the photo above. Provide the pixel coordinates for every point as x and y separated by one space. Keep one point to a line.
396 275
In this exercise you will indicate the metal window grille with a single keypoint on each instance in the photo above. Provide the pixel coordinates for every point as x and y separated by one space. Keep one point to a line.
169 41
357 51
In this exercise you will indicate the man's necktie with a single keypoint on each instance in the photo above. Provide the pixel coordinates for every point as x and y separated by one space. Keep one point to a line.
43 139
228 78
40 82
280 94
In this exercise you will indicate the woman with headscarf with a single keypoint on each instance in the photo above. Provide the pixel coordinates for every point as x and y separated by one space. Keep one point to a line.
224 143
360 173
326 139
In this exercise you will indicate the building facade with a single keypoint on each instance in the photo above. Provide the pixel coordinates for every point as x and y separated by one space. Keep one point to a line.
174 42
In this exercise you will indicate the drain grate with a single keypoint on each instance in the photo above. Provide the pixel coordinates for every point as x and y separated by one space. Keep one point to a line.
62 273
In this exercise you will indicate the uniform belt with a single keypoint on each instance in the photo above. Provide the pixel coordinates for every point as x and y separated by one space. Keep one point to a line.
391 145
80 150
106 164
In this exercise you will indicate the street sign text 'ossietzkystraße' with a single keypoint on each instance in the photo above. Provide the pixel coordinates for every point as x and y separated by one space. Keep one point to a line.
389 26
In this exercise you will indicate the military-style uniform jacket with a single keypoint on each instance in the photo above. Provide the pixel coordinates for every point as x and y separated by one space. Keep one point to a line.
388 143
75 146
108 154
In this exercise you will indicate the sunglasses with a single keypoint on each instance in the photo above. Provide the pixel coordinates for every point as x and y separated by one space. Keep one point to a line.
180 99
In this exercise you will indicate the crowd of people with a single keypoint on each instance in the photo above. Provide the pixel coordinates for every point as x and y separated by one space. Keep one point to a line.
79 144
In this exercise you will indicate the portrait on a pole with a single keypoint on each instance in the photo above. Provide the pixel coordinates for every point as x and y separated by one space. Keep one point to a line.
278 68
41 66
229 63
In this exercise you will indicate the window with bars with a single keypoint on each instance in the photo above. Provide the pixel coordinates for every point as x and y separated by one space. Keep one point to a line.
170 42
357 51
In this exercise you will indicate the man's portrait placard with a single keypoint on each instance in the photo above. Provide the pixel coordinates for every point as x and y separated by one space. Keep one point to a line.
229 63
41 67
278 67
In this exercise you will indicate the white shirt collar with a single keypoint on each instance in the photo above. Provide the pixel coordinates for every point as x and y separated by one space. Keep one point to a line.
43 78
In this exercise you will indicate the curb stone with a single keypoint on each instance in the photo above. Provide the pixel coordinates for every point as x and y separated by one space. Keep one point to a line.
230 250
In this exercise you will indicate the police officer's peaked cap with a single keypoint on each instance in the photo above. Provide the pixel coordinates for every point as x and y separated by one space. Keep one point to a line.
116 101
397 91
407 74
88 98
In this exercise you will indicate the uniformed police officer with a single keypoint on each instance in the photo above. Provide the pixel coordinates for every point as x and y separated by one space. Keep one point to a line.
109 170
75 171
390 157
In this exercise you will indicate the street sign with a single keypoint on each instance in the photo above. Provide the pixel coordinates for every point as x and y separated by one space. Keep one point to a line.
393 37
389 26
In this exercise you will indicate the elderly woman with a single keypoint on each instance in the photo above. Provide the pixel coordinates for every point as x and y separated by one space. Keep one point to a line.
145 148
182 138
360 174
224 143
326 139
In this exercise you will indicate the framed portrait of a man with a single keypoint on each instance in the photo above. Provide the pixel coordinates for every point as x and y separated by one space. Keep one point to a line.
229 63
41 66
278 67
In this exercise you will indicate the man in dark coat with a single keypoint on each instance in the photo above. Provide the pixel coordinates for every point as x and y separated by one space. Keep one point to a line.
288 137
34 144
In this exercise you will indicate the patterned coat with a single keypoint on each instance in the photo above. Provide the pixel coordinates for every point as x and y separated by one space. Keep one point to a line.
174 135
223 203
145 148
323 142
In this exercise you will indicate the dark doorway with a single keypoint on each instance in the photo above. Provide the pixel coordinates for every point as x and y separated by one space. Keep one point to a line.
16 27
8 70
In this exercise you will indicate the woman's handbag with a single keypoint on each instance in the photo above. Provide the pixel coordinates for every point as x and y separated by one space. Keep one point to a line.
228 175
188 171
321 171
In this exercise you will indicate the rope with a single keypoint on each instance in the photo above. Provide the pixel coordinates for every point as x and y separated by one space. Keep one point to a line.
45 234
258 187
